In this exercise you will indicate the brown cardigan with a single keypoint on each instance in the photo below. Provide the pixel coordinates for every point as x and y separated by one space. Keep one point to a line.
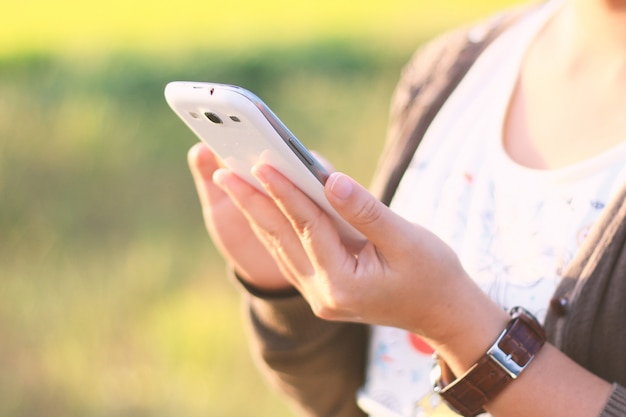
320 365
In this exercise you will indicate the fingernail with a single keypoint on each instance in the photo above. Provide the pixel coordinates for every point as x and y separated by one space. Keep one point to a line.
259 173
219 175
340 185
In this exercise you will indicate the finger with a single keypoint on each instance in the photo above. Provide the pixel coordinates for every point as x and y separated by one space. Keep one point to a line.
367 214
203 163
268 222
316 230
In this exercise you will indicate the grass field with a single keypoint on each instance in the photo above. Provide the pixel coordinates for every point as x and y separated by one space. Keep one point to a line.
113 301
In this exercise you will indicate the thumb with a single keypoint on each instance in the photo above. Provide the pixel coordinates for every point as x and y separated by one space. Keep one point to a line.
365 212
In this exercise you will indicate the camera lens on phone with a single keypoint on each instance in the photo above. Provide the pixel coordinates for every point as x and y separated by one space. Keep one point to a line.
213 117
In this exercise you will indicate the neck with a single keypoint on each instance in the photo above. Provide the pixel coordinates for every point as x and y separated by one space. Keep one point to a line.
589 37
599 24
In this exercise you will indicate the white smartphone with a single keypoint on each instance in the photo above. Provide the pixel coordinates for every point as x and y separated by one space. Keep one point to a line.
243 131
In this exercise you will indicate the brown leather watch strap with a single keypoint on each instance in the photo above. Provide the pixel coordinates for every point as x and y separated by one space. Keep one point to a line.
503 362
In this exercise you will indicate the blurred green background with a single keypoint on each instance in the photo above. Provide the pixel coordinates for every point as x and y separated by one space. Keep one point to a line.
113 301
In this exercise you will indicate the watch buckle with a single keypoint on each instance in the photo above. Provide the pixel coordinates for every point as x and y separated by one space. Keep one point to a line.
505 360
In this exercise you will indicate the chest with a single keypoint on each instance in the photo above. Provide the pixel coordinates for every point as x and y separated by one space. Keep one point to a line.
565 112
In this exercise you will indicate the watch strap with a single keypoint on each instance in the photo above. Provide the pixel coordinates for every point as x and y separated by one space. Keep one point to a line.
504 361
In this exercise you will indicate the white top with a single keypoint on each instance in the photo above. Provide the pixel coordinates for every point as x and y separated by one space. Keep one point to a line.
513 228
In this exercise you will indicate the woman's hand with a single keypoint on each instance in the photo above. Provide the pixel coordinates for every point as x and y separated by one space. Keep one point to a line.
229 229
404 276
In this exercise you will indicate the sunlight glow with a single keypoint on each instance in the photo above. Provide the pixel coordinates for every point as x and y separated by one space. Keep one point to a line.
73 25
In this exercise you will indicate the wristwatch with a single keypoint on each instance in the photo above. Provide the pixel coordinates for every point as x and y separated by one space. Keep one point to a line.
505 360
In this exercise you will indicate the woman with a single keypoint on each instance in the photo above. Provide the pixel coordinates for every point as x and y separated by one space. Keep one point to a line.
514 197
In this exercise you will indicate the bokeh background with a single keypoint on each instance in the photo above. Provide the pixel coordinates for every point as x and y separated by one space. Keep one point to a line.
113 301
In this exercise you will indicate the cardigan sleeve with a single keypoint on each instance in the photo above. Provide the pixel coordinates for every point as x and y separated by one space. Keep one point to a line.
616 405
319 365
